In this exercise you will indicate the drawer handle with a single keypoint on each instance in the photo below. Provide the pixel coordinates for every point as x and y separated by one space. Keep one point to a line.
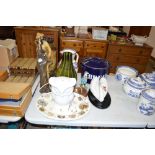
137 60
141 52
74 44
120 50
117 58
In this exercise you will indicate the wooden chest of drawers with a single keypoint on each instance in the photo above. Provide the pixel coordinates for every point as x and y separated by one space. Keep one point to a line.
131 55
25 37
85 47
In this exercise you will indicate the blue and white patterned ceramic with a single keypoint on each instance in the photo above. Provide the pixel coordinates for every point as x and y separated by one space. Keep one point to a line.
125 72
146 103
149 78
133 87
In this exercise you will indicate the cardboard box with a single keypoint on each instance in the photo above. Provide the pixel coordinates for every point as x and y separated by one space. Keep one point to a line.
99 33
8 52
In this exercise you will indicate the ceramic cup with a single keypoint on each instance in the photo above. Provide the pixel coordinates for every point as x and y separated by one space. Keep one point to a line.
149 78
146 103
123 73
133 87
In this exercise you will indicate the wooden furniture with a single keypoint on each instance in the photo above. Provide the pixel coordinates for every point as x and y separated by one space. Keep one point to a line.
24 67
8 119
85 47
25 37
7 32
128 54
13 90
3 75
140 30
19 109
95 48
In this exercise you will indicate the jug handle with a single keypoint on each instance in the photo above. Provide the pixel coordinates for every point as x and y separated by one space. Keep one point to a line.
77 57
68 50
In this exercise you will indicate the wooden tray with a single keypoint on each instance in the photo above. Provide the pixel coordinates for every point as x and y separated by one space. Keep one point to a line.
18 110
23 66
21 79
13 90
3 75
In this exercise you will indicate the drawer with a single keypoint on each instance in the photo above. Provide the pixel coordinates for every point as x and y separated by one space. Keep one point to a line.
127 59
95 52
96 45
75 44
129 50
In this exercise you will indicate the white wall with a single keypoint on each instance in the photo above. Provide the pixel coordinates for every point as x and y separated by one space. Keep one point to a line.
151 40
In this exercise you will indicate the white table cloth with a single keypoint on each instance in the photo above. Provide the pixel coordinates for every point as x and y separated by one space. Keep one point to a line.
121 113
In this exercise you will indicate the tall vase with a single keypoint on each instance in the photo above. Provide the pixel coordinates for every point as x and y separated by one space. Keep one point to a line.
42 67
66 67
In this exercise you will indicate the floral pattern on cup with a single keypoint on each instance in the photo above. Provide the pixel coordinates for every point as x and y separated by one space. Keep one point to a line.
118 77
149 78
133 87
146 103
133 94
146 109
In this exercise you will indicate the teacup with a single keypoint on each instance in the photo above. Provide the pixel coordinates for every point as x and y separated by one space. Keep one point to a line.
125 72
146 103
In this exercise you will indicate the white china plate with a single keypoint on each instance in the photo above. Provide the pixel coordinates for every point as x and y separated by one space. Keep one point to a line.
76 110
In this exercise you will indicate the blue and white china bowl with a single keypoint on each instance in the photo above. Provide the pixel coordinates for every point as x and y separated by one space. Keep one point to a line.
94 66
125 72
149 78
133 87
146 103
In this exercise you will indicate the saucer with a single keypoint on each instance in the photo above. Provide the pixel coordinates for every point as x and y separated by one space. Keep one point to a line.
76 110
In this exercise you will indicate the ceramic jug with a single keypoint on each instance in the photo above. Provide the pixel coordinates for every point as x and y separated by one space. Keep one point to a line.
62 89
75 57
66 67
